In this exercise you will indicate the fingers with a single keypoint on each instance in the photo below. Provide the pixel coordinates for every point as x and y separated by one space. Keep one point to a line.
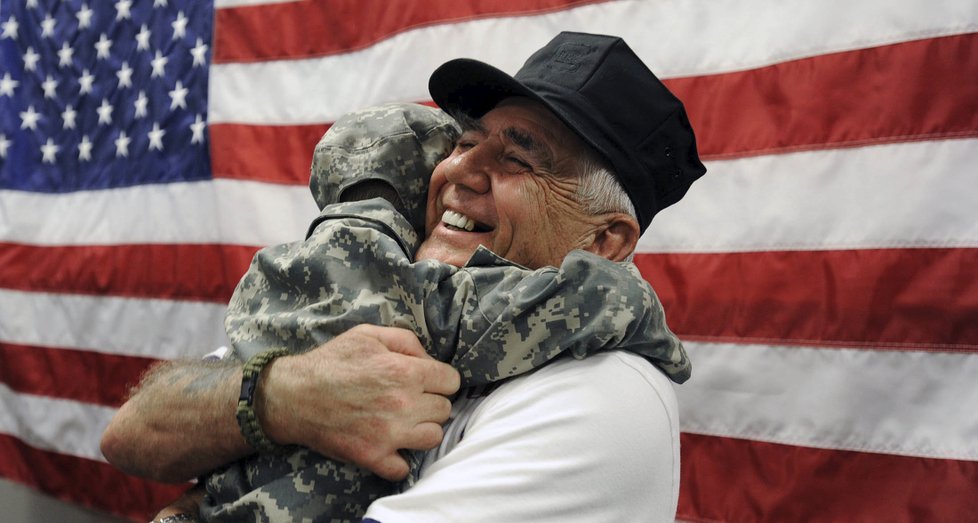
392 467
440 378
425 436
433 408
436 377
395 339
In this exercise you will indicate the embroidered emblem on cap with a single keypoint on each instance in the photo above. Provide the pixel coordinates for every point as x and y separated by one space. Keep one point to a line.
570 57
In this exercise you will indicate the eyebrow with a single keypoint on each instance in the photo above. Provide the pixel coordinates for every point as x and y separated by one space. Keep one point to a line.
523 139
468 123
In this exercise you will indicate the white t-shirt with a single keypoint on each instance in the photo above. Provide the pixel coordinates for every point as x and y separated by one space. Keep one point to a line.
578 440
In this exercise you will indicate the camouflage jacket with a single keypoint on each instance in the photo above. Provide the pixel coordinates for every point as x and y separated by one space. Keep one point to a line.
490 319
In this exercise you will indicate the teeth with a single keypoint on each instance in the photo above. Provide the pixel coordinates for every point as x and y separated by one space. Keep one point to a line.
457 220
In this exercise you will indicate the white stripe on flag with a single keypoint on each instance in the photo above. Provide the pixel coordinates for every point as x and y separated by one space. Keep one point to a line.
833 199
162 329
222 211
917 194
64 426
674 38
895 402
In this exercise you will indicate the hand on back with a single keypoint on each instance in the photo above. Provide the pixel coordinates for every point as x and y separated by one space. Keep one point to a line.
359 398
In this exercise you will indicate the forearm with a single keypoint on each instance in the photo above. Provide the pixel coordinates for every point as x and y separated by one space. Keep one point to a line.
358 398
179 423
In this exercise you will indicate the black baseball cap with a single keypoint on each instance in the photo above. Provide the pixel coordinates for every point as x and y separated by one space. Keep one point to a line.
604 92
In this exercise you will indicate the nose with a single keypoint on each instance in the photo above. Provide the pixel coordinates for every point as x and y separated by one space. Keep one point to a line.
471 168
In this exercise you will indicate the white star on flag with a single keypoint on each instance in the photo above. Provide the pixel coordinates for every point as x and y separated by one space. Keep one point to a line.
122 145
178 96
125 75
122 8
85 82
104 112
64 55
156 137
103 46
179 26
30 59
142 38
159 63
29 118
49 86
84 149
4 145
85 16
197 128
47 26
7 85
69 117
140 104
49 151
10 28
199 52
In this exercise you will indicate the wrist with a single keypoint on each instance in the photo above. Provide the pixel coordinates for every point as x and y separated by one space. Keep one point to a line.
271 400
250 402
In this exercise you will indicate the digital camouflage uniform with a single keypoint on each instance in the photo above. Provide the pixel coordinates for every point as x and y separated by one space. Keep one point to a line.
491 319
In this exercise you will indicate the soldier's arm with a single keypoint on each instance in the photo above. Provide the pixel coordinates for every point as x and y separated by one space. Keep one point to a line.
514 320
357 398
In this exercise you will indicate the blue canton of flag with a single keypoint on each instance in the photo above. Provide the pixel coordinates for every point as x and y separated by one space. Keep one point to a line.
98 94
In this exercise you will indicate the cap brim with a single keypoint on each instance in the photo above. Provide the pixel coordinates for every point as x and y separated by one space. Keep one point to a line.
474 87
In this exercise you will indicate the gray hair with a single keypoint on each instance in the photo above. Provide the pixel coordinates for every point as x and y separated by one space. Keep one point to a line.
599 190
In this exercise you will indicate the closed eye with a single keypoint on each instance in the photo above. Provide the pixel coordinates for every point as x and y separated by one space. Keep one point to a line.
519 162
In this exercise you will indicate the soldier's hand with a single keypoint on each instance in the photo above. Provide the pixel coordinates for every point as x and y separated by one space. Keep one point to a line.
359 398
188 504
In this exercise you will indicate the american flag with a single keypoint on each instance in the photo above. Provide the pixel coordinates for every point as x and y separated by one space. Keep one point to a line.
823 272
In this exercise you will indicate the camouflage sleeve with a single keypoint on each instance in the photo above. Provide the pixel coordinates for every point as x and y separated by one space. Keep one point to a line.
513 320
354 267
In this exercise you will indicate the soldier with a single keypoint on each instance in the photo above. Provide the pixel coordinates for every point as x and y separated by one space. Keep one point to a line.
491 319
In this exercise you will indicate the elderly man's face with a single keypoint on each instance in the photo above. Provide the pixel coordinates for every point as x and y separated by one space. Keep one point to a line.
513 178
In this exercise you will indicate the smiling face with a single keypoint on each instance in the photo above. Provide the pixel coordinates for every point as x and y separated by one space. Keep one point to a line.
510 185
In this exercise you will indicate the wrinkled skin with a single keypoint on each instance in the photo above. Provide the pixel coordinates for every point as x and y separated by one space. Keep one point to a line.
515 176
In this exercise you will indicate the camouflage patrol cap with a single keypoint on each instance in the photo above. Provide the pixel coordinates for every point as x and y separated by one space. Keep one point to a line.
398 144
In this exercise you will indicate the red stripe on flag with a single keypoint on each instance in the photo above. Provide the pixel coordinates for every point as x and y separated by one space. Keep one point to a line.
86 482
206 272
836 100
840 99
324 27
727 480
276 154
70 374
920 299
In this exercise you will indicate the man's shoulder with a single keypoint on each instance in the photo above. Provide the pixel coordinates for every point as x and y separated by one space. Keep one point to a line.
616 388
573 434
605 382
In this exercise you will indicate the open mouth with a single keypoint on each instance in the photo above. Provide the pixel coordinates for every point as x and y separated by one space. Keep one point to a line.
458 221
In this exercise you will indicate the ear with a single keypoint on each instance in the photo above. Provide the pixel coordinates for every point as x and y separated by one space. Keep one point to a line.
616 238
